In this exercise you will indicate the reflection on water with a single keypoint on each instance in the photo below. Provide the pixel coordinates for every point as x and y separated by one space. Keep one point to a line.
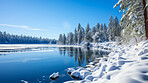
82 54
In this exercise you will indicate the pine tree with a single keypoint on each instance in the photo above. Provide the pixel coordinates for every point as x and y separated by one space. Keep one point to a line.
132 20
97 27
80 35
60 39
87 33
101 33
71 38
67 39
64 39
79 26
118 30
83 33
93 31
110 29
1 38
75 39
105 33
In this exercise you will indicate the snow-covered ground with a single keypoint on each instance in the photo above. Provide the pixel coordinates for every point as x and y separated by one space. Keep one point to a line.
125 64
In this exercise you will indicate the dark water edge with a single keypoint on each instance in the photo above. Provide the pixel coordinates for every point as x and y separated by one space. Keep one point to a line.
36 67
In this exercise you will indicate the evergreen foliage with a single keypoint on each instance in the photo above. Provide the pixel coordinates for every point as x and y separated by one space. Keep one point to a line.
98 33
6 38
132 20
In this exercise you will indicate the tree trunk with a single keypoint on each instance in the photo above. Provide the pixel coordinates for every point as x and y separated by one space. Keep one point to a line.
145 18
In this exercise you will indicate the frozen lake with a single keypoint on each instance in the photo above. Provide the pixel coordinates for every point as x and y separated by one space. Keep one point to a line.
35 64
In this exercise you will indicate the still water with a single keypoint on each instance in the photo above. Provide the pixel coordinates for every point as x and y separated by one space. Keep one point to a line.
36 65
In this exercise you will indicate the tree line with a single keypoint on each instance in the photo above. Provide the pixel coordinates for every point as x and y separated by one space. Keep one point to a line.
98 33
6 38
132 29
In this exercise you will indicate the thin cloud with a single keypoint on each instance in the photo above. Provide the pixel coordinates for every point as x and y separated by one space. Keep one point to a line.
28 28
23 27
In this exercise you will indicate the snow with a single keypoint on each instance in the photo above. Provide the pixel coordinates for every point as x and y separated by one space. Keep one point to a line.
79 73
125 64
70 70
54 75
75 74
84 73
24 81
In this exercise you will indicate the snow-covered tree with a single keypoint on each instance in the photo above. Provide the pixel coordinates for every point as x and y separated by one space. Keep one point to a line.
96 37
97 27
69 40
1 37
80 35
117 27
75 39
114 29
102 33
105 33
93 31
83 33
110 29
6 38
118 30
60 40
87 33
64 39
132 20
79 26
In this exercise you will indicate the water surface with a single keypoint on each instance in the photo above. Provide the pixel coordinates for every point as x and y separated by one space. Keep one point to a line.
36 65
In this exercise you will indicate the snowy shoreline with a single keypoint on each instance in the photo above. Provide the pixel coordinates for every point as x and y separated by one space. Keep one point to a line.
7 48
20 46
125 64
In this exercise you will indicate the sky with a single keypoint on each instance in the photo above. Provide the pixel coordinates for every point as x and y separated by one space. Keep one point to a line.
49 18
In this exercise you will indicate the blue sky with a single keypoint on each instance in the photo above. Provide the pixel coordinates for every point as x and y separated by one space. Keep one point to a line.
49 18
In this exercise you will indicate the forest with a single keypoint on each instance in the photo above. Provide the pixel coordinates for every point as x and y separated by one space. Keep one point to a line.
6 38
131 29
98 33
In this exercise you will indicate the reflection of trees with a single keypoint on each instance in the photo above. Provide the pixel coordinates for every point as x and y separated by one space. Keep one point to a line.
81 57
75 52
82 54
70 51
62 50
87 53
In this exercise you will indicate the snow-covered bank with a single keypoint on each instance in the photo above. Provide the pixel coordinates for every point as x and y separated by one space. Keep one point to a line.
105 47
125 64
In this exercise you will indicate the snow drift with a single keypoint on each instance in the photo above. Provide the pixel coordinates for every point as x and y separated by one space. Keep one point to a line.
125 64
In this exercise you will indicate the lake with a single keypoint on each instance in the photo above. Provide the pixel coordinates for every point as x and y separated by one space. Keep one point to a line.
36 65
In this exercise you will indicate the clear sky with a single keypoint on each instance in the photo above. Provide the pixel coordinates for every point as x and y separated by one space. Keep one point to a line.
49 18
